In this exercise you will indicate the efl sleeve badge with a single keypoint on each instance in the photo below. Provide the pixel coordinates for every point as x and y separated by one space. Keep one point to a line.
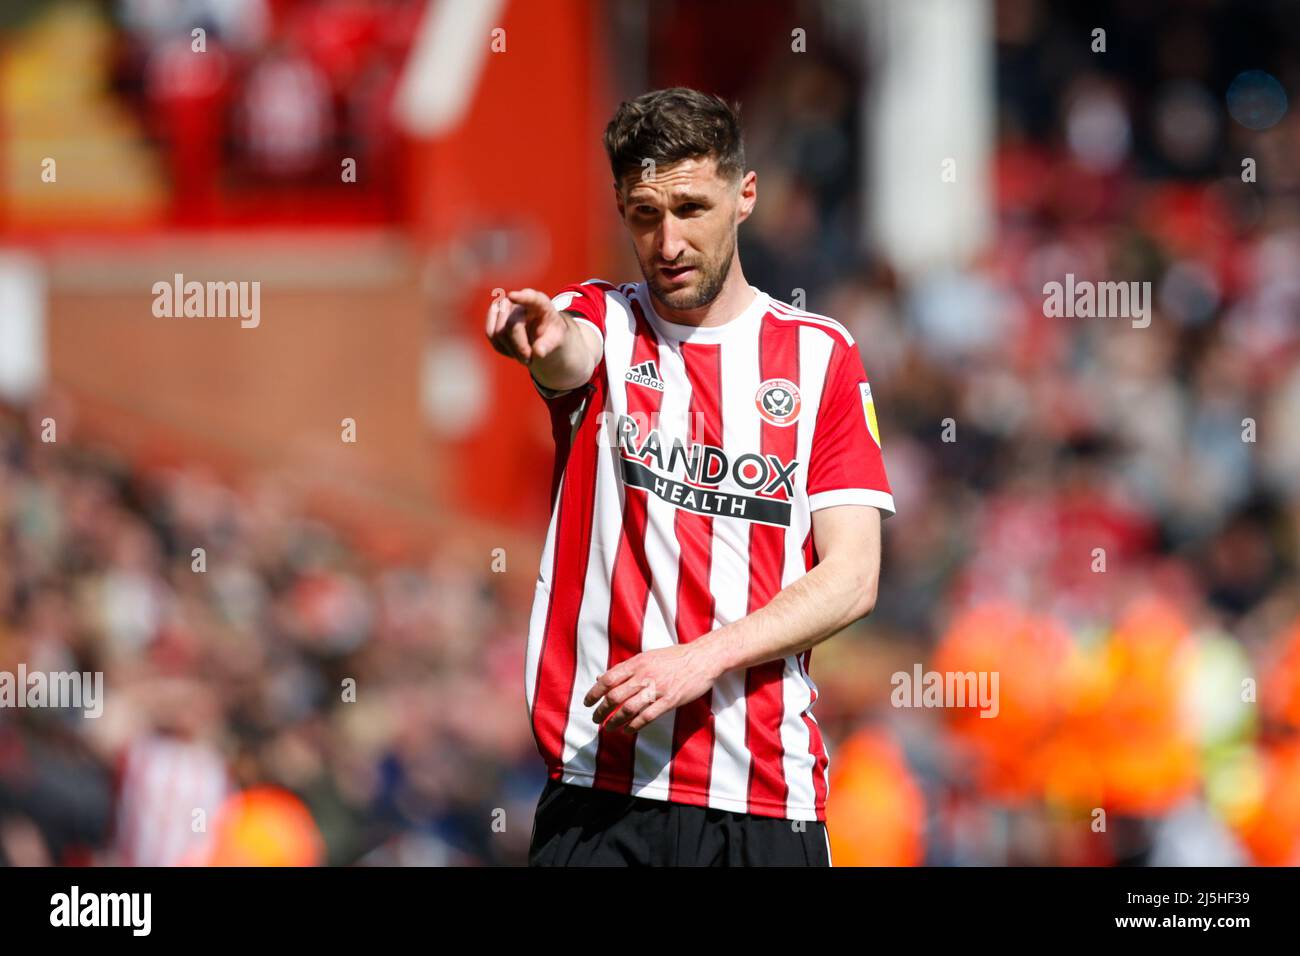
869 411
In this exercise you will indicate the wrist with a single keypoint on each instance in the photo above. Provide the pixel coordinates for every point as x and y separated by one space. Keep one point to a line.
719 650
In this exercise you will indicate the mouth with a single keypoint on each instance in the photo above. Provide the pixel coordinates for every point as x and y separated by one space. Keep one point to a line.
676 275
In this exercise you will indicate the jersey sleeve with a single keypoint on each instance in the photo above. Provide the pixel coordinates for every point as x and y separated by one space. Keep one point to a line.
586 300
845 466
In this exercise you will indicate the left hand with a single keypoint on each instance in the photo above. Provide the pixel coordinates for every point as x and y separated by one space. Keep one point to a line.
646 686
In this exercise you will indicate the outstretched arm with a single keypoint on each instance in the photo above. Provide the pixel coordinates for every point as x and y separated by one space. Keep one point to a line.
838 591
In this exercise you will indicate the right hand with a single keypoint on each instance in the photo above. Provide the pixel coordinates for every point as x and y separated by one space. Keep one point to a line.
525 325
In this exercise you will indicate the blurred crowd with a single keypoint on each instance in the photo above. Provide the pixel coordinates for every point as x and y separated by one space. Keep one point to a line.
1107 516
385 701
214 112
286 89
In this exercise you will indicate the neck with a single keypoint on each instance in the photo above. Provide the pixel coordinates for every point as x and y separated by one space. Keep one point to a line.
726 305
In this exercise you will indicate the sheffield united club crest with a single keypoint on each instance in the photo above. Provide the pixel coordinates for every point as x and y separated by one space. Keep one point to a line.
778 401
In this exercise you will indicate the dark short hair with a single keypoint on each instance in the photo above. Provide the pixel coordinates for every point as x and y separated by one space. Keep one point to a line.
672 125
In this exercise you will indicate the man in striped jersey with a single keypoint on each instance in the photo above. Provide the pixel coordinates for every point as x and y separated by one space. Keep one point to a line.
717 499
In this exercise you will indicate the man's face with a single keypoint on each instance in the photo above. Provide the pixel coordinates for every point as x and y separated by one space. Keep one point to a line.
683 225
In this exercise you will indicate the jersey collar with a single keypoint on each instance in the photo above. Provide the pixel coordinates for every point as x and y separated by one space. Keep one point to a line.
748 319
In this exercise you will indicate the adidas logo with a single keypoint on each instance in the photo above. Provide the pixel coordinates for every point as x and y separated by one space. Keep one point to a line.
647 374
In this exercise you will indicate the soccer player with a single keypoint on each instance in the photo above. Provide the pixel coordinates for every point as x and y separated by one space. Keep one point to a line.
716 508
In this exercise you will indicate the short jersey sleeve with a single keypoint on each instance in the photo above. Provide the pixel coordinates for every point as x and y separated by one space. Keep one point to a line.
586 300
845 466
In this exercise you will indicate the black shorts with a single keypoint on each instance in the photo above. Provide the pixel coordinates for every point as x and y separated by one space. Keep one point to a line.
583 826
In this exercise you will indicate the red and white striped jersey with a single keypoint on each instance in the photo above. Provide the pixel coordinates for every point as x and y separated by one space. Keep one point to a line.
687 470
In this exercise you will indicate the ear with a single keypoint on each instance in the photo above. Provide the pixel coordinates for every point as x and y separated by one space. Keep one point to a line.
748 196
618 200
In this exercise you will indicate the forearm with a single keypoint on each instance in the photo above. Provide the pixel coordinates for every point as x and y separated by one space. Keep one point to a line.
569 364
823 602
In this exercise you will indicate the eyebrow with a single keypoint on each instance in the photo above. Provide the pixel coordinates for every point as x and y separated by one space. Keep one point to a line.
677 198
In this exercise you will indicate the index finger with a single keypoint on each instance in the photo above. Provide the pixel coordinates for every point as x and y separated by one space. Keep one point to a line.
529 297
537 303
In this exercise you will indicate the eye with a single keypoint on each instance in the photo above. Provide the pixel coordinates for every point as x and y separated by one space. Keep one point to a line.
690 207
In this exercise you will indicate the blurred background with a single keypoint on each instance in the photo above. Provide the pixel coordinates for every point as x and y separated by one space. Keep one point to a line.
381 166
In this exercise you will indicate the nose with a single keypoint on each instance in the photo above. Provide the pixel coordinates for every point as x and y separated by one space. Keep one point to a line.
670 239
